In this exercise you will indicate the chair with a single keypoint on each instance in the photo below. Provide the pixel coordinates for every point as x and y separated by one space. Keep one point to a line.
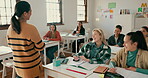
8 63
62 46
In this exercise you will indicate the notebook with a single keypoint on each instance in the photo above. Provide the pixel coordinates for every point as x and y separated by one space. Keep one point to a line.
101 69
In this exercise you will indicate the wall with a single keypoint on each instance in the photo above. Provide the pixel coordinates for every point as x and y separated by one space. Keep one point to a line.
108 24
38 17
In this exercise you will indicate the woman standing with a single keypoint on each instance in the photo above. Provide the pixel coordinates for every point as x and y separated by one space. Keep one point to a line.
25 42
52 35
96 52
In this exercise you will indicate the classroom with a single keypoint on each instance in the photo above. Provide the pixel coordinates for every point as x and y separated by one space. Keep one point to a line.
81 28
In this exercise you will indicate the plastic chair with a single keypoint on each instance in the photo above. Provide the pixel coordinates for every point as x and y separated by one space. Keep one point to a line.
8 63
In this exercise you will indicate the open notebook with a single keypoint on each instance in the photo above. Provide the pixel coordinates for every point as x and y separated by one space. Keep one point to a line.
82 64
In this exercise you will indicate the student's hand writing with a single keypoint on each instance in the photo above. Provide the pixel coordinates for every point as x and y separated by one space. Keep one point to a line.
131 68
112 70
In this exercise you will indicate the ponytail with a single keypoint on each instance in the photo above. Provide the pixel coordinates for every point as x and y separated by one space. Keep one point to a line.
20 8
15 24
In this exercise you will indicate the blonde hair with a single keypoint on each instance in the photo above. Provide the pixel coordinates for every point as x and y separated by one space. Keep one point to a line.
101 34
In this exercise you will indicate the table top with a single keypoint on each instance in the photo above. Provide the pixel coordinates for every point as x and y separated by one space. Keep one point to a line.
5 50
89 73
69 70
115 49
74 37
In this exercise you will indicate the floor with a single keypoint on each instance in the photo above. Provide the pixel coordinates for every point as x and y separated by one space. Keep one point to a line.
9 70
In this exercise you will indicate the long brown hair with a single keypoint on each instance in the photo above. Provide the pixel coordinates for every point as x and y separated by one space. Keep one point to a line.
20 8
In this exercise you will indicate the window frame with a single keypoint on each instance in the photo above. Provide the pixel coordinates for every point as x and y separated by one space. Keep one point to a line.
86 19
4 27
61 15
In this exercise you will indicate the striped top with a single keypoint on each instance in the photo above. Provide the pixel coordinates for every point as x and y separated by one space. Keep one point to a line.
25 48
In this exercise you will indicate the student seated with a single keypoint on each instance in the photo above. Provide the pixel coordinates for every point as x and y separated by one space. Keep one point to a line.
117 38
79 31
134 55
144 30
96 51
52 35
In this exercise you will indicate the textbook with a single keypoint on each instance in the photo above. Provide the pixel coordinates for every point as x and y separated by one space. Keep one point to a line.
101 69
84 65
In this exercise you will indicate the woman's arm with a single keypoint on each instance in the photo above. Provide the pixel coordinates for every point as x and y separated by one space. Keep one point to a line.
35 37
47 35
82 31
144 71
102 59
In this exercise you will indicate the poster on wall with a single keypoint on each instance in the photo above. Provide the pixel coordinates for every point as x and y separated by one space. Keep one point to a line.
140 15
145 10
112 5
124 11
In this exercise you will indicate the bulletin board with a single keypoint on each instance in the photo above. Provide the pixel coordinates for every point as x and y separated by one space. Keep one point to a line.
139 22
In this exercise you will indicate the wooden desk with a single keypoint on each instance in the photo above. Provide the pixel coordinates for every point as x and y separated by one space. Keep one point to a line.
50 44
71 37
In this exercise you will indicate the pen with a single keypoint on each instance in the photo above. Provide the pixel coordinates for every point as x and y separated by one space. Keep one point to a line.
76 71
79 67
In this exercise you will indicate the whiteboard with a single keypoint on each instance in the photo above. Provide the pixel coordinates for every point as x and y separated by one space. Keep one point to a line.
139 22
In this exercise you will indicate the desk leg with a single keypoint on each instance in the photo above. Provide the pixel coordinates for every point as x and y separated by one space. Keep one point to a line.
76 45
44 56
67 44
45 73
58 49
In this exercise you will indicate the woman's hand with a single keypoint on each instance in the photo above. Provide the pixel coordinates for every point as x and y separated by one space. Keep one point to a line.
131 68
112 70
75 58
46 38
85 59
77 32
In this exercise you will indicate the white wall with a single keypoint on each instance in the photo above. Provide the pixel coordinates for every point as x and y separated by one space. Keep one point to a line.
108 24
38 17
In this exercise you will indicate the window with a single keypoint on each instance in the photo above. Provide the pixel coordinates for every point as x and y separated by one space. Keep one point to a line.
54 11
6 12
82 10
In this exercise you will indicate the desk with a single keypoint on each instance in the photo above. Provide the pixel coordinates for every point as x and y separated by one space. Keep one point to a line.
5 52
61 72
71 37
115 49
50 44
123 72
